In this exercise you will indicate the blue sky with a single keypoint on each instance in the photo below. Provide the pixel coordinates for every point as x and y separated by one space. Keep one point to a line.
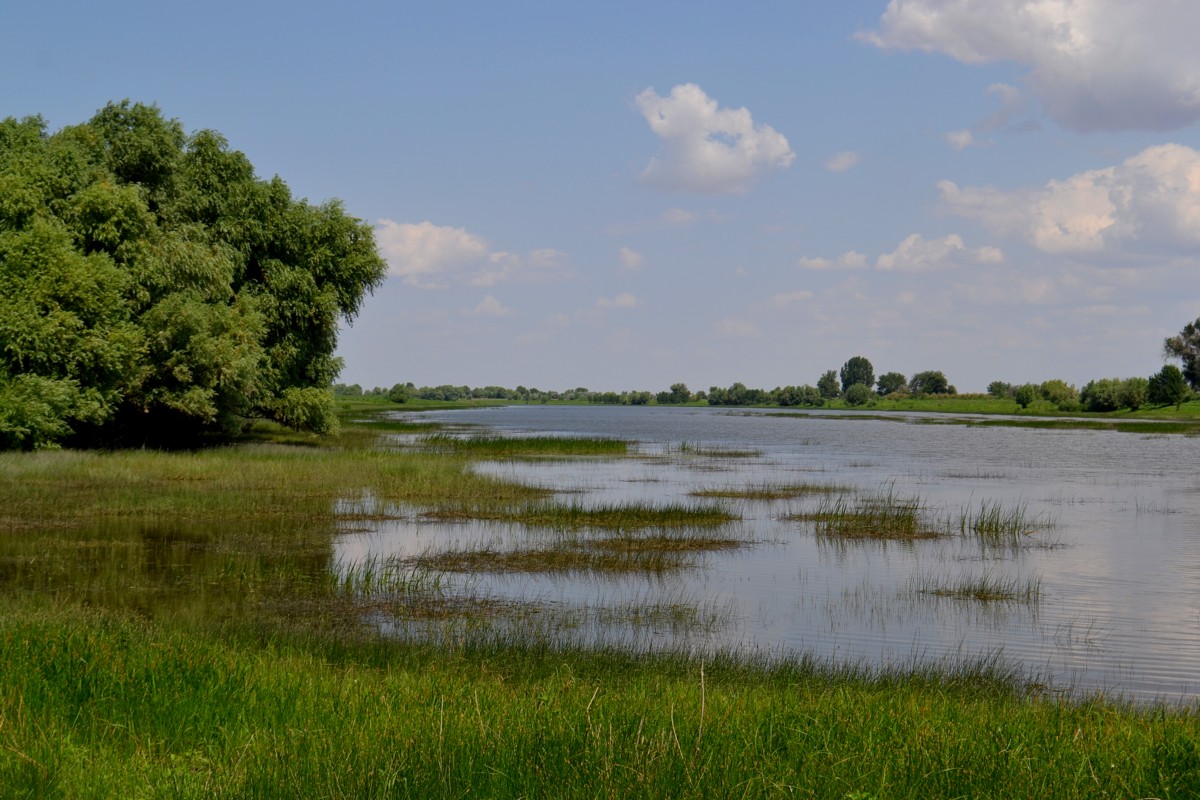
624 196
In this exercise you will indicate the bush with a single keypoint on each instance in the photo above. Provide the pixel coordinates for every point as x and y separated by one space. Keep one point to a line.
858 395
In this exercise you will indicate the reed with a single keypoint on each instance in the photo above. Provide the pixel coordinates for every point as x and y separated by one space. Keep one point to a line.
526 446
577 516
882 515
986 588
770 491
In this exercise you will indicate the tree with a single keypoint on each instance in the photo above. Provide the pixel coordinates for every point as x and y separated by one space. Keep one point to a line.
400 393
828 386
1167 387
153 289
891 383
1186 347
857 370
930 382
858 394
1025 395
1062 394
1001 390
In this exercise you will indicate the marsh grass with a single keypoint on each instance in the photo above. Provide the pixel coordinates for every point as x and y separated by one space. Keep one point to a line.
499 447
703 451
770 491
882 515
986 588
997 524
576 516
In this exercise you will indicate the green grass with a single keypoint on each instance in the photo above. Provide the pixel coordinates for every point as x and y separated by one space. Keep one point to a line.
984 588
882 516
176 625
769 491
576 516
101 705
526 446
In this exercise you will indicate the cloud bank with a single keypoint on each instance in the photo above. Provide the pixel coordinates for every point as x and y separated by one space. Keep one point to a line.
1148 202
1093 64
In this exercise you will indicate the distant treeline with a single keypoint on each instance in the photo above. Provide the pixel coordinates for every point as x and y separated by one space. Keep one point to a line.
854 385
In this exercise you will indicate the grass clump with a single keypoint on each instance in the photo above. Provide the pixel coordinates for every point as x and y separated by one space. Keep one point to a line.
526 446
883 516
575 516
985 588
997 524
769 491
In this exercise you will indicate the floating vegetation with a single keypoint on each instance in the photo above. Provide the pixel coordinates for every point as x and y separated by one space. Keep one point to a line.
526 446
621 516
985 588
770 491
558 559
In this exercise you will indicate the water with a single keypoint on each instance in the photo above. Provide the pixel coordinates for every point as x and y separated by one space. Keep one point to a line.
1116 555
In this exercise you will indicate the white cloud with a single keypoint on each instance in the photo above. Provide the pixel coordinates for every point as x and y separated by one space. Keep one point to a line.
840 162
787 298
630 259
917 254
1094 64
623 300
847 260
1149 201
490 307
705 148
427 256
960 140
420 253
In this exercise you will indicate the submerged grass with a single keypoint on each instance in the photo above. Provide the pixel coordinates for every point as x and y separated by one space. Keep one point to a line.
576 516
770 491
882 515
984 588
526 446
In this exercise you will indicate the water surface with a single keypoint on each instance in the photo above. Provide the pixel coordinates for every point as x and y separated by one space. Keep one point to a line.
1116 553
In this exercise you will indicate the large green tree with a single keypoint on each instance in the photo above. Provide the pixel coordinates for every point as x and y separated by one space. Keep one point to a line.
153 288
1186 347
857 370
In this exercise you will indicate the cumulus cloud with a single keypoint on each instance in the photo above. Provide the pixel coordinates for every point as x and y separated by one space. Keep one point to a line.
705 148
427 256
420 253
490 307
918 254
840 162
1093 64
630 259
848 260
623 300
1149 201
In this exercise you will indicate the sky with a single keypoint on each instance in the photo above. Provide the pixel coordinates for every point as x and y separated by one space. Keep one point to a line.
629 195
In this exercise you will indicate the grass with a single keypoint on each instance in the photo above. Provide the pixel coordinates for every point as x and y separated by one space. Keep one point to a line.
997 524
175 624
576 516
769 491
986 588
526 446
882 515
103 705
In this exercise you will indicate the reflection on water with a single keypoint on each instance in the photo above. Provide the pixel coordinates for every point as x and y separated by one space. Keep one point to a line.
1116 563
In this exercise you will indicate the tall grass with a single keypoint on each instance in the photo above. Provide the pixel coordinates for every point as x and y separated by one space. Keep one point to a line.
883 515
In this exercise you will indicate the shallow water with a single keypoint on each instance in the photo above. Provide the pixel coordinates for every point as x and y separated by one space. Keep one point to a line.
1116 552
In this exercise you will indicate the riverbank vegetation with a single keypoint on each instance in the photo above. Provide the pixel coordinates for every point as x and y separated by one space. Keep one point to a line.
173 623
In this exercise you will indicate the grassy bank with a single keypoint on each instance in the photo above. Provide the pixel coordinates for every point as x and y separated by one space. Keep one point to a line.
170 625
101 705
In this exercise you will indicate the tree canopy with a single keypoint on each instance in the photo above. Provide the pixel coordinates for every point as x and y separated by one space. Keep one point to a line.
1186 347
153 288
857 370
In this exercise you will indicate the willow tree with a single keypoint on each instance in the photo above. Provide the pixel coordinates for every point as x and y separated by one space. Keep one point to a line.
153 288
